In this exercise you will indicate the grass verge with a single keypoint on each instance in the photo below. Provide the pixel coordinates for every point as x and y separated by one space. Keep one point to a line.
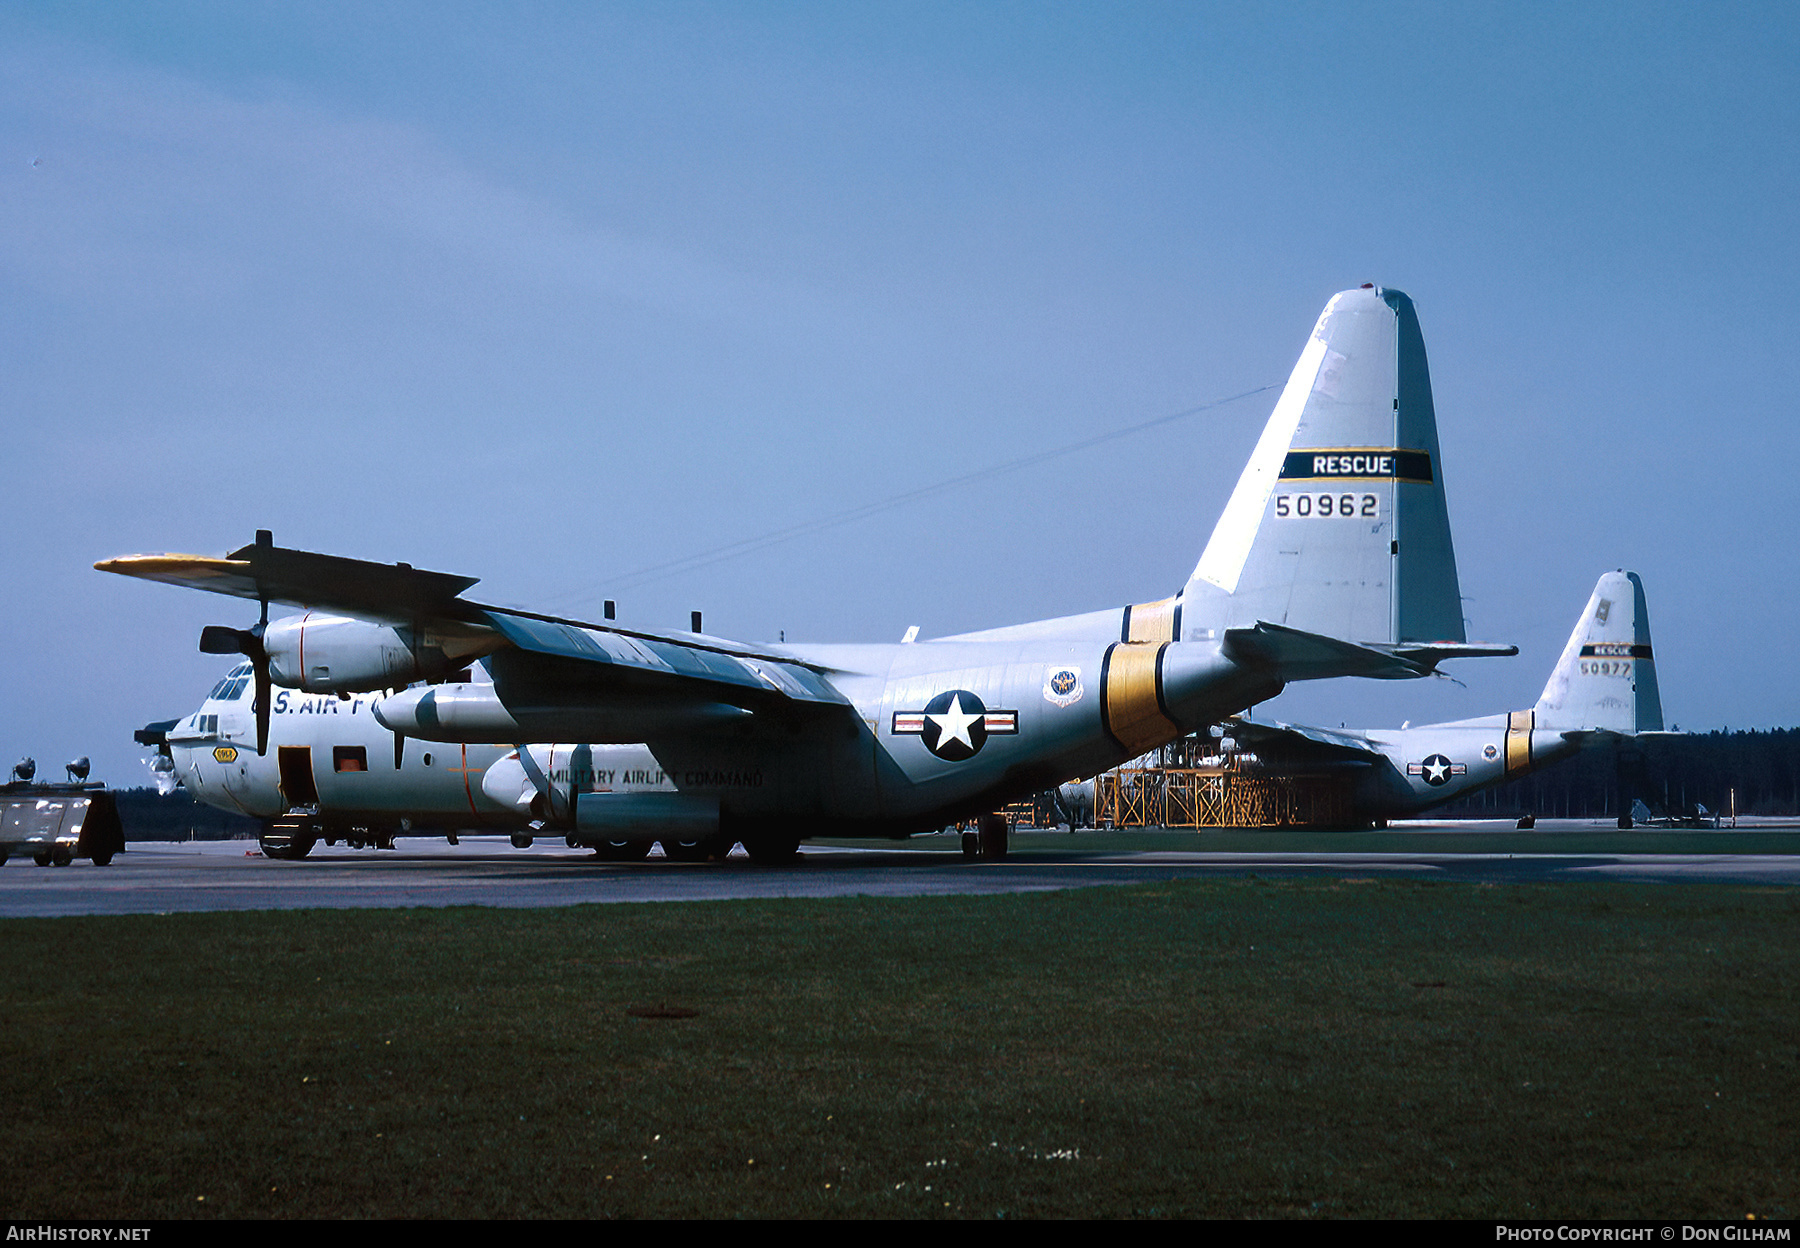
1219 1048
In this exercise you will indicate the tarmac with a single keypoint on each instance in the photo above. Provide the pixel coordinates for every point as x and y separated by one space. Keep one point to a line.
171 877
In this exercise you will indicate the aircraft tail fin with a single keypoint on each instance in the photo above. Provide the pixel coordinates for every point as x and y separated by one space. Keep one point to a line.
1338 524
1606 677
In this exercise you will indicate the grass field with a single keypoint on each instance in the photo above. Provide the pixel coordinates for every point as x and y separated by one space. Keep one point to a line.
1293 1048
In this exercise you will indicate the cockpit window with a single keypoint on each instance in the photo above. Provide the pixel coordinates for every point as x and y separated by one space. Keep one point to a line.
232 687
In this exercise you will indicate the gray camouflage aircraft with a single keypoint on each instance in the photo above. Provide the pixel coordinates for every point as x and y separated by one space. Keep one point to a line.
1333 557
1603 688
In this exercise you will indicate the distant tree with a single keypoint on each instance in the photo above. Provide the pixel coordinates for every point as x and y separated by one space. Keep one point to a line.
1673 772
152 816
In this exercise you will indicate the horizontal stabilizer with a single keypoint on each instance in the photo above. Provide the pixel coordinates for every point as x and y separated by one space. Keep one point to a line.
1252 733
1290 654
1590 736
1428 655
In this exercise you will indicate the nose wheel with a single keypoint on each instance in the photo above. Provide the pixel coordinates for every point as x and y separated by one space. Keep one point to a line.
287 838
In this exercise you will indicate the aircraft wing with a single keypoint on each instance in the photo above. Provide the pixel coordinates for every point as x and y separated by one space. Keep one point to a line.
391 593
646 660
685 665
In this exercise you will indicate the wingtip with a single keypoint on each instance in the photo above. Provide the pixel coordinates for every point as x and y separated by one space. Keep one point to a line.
152 566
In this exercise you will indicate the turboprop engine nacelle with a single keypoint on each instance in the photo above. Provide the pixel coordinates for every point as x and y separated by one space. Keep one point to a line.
553 783
322 653
475 714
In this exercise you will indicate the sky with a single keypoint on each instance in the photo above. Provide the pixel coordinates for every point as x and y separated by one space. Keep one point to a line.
553 295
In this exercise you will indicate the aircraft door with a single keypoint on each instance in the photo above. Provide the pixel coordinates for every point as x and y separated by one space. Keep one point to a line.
297 785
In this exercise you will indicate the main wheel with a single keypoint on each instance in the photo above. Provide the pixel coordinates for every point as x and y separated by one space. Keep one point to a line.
993 837
971 846
772 850
101 859
623 851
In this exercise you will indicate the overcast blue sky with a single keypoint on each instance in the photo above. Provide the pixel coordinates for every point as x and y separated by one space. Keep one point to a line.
549 294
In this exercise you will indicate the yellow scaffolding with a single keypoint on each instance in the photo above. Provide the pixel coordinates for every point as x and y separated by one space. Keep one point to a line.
1176 791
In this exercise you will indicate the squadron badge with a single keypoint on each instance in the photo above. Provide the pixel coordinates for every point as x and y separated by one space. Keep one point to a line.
1062 686
955 725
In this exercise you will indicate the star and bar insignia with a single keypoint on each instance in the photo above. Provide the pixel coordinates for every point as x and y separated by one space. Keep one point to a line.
1437 770
955 725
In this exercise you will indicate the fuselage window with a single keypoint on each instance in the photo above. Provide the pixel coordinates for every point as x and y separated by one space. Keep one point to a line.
349 758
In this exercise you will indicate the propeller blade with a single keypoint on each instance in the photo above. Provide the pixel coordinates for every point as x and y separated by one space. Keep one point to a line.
259 655
261 707
222 639
219 639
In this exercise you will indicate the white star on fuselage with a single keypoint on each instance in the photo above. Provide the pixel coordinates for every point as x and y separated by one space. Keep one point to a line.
953 724
1437 770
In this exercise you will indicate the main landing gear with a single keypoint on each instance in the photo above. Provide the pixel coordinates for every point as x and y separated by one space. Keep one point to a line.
987 840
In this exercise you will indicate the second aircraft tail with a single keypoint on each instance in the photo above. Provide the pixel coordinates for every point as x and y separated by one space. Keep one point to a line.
1606 677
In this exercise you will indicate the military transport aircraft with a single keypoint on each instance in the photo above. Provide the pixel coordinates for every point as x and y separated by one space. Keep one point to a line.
1333 557
1602 689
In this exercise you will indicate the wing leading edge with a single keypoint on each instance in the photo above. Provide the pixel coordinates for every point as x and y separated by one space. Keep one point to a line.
690 665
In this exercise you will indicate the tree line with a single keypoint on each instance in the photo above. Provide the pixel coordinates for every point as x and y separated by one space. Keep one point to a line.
1671 773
